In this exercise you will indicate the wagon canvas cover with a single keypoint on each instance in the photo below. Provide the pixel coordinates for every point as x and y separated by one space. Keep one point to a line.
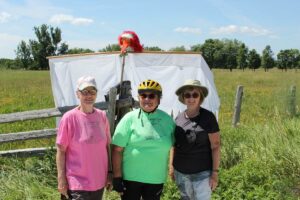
169 69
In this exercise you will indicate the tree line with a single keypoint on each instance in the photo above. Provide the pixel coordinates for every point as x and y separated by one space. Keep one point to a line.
225 53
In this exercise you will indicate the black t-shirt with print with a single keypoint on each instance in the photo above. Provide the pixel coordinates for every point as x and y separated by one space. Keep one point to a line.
192 152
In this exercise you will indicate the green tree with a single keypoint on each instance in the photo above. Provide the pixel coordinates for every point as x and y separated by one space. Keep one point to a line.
179 49
63 49
152 49
254 60
47 43
242 56
288 59
111 48
283 59
267 58
210 50
79 51
24 59
6 63
230 49
196 48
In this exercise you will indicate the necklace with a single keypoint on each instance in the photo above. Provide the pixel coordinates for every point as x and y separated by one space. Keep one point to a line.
191 114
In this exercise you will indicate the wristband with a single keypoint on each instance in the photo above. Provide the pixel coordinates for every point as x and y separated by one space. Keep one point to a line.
215 170
118 184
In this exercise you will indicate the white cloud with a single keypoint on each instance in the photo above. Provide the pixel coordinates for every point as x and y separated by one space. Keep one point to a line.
62 18
4 16
232 29
188 30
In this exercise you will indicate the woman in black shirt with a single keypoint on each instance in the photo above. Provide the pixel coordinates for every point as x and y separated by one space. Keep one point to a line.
196 155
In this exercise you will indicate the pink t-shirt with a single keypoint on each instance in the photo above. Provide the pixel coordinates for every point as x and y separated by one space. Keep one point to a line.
85 137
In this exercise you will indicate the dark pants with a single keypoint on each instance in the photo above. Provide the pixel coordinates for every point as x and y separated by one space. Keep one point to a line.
136 190
84 195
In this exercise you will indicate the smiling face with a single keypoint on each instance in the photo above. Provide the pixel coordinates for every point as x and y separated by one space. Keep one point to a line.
87 96
192 98
148 101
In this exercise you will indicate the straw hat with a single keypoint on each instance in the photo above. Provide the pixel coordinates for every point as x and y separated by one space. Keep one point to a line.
191 83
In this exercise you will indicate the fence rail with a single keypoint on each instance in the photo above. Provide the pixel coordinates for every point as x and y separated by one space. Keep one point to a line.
110 106
56 112
25 152
11 137
115 110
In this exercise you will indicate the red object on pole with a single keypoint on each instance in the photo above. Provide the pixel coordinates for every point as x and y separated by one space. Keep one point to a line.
129 42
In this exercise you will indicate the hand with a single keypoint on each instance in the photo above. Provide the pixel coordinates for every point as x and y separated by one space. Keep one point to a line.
118 185
213 181
63 190
109 185
63 187
171 173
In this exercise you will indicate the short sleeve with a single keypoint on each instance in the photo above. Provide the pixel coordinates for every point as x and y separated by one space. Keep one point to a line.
63 132
122 133
213 124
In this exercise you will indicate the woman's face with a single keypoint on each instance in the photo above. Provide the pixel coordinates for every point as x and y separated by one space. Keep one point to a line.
148 101
87 96
192 98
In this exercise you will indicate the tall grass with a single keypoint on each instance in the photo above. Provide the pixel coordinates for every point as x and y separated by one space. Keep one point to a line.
260 158
265 93
23 91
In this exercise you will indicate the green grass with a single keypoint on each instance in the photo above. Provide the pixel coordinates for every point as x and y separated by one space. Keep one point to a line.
260 158
23 91
264 93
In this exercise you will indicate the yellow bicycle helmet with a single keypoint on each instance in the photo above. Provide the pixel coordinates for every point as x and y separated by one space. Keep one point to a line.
151 86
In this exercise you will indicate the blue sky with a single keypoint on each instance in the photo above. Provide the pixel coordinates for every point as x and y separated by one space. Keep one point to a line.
96 23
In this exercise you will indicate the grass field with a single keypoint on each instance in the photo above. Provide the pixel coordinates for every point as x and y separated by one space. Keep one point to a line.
260 158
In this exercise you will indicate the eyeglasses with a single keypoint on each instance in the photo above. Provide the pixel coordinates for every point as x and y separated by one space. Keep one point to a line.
87 92
149 96
191 95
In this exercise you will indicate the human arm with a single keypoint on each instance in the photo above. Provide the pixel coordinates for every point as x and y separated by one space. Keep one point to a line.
109 156
215 144
171 168
117 158
61 170
109 174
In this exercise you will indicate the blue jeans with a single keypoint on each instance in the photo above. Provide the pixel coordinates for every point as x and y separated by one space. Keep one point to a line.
193 186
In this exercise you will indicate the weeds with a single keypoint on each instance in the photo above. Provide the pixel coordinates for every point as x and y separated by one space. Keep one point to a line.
260 158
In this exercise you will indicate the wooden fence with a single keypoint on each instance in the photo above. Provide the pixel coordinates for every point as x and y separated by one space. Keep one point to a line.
114 109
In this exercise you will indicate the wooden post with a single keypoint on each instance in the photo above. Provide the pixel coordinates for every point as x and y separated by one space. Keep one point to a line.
292 101
123 66
237 105
111 110
125 92
111 115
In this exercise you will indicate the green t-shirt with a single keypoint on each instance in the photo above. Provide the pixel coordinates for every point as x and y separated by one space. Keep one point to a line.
147 139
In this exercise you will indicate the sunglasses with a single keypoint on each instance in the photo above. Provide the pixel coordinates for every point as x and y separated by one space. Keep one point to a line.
191 95
149 96
87 92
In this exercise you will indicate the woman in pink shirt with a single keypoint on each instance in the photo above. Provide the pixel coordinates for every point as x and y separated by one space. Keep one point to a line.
82 143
